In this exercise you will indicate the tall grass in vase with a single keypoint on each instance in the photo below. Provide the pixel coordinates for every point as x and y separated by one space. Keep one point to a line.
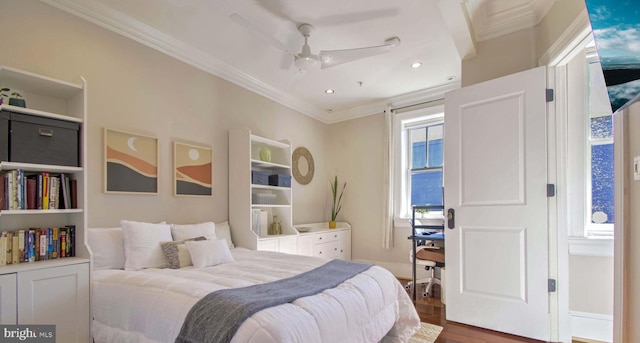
337 200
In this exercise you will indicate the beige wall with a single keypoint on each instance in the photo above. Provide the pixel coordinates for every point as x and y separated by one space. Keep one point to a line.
132 87
632 259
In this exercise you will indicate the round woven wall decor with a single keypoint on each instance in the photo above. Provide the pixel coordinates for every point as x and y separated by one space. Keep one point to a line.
299 153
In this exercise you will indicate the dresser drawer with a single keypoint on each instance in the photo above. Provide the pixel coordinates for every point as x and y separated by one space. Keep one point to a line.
325 237
327 250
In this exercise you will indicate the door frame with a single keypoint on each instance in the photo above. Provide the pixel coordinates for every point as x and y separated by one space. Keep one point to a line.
564 48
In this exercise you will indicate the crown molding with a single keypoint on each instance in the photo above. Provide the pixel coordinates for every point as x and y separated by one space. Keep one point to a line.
403 100
505 17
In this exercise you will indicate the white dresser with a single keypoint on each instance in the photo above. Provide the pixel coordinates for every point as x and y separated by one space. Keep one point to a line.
321 241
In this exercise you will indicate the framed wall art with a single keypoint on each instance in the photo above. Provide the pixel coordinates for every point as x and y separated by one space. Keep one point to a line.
192 170
130 163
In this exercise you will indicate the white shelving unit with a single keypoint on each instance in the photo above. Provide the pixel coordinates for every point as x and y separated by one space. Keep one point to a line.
244 157
52 291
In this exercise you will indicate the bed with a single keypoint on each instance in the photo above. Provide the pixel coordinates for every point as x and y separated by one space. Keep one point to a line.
150 304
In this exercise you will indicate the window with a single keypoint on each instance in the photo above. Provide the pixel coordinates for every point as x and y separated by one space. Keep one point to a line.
599 171
425 169
418 147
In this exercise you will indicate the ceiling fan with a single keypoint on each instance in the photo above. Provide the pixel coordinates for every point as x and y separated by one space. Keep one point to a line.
305 60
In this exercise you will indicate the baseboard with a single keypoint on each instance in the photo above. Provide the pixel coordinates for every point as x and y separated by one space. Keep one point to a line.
591 327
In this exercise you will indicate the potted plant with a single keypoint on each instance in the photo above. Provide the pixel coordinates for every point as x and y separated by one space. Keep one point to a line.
337 201
15 98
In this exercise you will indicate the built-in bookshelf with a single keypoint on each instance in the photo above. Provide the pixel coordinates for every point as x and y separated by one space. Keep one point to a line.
245 196
51 275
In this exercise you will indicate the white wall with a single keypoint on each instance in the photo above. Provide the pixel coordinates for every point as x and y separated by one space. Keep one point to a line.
132 87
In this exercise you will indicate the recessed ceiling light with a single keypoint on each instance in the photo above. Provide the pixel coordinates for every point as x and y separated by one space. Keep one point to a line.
416 65
329 91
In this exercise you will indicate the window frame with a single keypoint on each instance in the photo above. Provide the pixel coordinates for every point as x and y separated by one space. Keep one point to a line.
402 122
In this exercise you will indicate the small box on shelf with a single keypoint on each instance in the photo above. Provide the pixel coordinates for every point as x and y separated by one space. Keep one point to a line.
259 177
280 180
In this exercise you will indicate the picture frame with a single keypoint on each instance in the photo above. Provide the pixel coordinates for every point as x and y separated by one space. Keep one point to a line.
131 162
192 170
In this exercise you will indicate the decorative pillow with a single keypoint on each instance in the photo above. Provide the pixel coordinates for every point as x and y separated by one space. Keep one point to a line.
182 232
177 254
142 244
223 231
107 247
209 252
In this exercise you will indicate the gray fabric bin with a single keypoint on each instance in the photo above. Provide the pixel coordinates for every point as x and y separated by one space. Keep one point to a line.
4 136
42 140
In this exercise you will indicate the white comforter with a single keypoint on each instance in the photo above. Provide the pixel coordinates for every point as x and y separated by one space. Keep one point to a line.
150 305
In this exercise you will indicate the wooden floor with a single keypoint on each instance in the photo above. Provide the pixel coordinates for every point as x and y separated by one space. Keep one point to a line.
431 310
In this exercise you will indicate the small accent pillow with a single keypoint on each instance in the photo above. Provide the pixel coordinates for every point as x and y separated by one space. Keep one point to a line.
142 244
209 252
182 232
107 248
177 254
223 231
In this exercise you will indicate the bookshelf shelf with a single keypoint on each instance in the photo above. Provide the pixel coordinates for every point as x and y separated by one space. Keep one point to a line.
32 167
28 212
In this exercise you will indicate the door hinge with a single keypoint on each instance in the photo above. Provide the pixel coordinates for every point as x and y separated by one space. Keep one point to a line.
549 94
551 190
552 285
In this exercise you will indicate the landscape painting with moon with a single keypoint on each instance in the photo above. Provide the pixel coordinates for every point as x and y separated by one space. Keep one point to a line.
192 170
616 30
131 164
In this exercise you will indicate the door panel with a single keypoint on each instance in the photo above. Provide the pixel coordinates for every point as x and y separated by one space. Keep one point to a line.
495 180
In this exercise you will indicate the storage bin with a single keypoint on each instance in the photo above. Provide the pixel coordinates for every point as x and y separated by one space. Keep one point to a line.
259 177
263 198
280 180
43 140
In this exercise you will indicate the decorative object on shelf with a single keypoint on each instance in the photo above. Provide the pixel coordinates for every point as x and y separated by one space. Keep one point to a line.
192 170
303 167
303 229
131 163
275 228
337 201
14 97
265 154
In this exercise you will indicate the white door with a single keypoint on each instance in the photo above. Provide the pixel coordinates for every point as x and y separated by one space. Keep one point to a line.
495 180
8 296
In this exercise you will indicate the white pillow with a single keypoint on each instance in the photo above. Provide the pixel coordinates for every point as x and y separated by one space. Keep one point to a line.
142 244
107 247
182 232
223 231
209 252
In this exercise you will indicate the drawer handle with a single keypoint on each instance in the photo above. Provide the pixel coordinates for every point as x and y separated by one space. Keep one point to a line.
320 238
45 132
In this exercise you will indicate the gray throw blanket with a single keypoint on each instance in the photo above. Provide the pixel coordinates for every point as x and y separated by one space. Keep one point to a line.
216 317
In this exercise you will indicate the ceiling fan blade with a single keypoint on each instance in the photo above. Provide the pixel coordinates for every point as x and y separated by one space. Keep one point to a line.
260 33
330 58
295 78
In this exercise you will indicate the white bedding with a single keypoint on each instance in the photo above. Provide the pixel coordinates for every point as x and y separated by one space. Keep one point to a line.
150 305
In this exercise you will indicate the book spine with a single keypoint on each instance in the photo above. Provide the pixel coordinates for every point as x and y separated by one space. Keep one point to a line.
21 246
49 243
55 240
9 254
3 248
45 191
32 250
63 242
72 230
43 244
74 193
32 197
15 249
40 186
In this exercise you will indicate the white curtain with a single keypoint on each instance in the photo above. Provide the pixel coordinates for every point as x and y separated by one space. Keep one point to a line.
389 179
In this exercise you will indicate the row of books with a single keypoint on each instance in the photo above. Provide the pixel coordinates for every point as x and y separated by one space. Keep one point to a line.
20 190
37 244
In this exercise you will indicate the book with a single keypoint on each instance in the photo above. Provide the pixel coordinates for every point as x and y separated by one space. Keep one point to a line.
32 196
64 191
53 192
63 242
3 248
39 183
31 244
72 241
9 254
73 189
15 249
43 244
36 244
21 246
55 243
45 191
